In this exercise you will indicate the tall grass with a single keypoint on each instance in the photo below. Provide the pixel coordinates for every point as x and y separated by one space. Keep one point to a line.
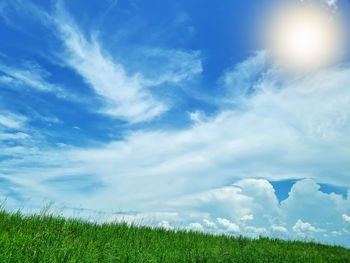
45 238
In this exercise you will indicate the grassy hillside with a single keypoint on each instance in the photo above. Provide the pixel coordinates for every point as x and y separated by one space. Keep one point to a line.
49 239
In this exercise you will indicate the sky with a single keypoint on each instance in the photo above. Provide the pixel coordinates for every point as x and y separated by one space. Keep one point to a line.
171 114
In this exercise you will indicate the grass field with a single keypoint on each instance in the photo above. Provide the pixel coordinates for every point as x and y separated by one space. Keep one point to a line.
45 238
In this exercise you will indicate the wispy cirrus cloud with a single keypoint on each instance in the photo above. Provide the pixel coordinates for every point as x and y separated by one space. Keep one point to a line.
12 121
124 95
127 96
30 75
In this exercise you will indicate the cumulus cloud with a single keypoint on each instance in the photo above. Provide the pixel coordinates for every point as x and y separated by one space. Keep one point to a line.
280 229
165 224
229 226
289 220
209 224
346 218
301 228
197 227
247 217
307 193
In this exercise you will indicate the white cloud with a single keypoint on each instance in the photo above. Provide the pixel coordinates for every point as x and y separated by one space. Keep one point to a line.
346 218
241 80
281 229
229 226
198 117
165 224
12 121
127 96
30 74
14 136
255 231
209 224
197 227
247 217
301 227
307 193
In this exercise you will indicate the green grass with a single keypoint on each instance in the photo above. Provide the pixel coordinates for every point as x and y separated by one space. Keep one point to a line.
45 238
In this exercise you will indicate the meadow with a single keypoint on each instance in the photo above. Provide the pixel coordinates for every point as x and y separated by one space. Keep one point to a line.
48 238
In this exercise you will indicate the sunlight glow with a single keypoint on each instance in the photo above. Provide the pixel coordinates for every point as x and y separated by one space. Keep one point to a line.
304 37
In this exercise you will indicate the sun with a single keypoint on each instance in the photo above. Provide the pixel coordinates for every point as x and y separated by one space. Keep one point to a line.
304 37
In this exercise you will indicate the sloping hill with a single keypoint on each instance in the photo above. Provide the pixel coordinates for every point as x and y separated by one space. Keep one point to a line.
51 239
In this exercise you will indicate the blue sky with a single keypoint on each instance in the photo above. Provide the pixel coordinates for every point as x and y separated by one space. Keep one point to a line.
171 113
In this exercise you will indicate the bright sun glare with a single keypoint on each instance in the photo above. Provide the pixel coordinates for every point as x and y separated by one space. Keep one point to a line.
304 38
